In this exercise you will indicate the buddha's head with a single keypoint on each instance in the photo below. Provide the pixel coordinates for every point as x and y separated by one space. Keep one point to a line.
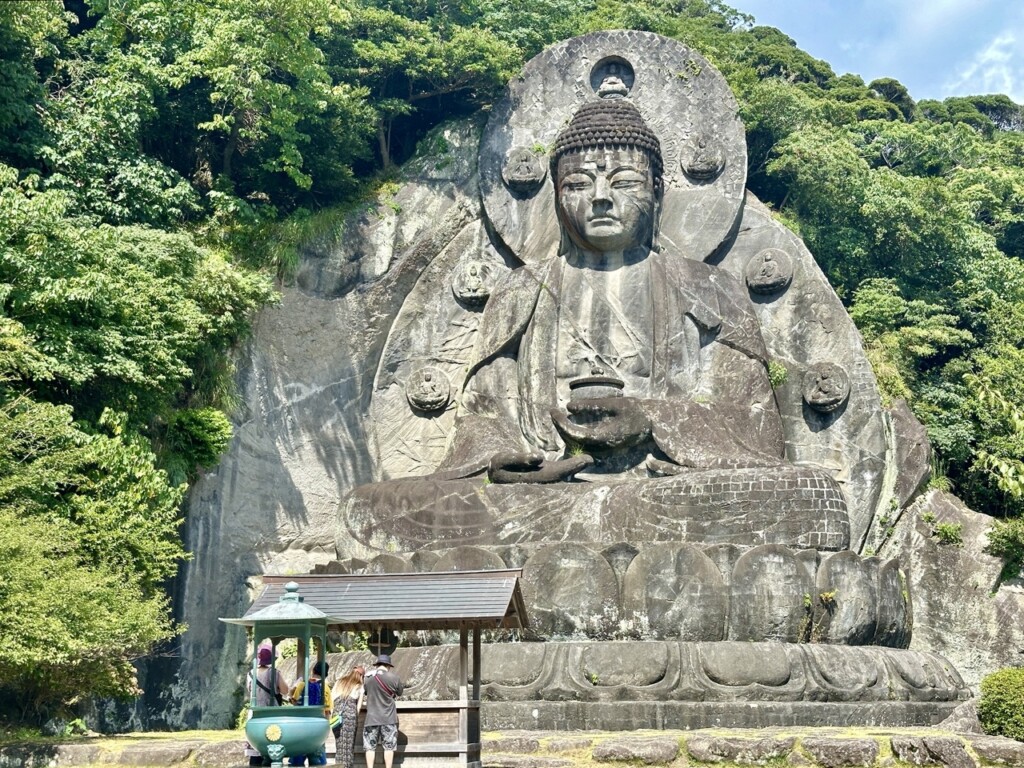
607 170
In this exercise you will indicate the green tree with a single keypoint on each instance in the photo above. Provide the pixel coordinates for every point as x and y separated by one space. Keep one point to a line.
119 314
412 53
88 538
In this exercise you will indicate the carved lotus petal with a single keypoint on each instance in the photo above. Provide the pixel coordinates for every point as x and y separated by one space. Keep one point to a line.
740 664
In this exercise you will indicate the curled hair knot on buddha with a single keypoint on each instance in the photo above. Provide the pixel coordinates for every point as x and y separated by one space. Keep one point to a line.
612 123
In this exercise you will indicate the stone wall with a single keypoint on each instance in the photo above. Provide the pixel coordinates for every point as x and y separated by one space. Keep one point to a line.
961 611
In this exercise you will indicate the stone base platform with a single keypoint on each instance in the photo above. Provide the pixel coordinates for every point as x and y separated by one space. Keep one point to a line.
689 592
686 715
665 684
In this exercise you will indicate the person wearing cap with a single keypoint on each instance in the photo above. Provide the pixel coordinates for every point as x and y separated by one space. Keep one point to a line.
382 686
268 685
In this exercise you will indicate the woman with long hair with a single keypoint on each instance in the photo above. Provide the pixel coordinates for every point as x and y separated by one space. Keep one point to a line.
348 700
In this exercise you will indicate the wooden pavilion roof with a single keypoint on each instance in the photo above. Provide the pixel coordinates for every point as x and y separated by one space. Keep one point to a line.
408 601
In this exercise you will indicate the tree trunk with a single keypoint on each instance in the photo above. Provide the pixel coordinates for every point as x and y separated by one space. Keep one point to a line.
384 142
229 149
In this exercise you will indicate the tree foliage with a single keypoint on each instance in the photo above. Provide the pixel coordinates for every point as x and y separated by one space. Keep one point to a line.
88 537
113 303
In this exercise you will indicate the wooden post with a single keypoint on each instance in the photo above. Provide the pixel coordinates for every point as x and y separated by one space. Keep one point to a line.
477 663
463 695
463 663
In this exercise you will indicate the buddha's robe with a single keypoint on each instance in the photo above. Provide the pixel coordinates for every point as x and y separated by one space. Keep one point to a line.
681 335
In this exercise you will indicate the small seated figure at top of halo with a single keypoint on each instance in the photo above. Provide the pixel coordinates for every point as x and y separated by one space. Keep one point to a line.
614 375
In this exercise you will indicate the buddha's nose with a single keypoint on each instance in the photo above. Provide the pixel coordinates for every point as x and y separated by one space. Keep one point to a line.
602 198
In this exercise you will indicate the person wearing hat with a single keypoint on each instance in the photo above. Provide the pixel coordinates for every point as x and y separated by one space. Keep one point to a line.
382 686
268 685
267 688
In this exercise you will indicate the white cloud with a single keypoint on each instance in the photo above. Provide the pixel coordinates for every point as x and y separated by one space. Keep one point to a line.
998 67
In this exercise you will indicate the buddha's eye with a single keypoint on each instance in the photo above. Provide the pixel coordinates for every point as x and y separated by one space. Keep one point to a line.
628 181
577 183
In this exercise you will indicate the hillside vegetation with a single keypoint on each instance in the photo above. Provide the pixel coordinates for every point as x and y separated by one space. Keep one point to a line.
161 159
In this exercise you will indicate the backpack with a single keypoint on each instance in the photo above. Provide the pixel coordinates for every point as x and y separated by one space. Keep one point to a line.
316 692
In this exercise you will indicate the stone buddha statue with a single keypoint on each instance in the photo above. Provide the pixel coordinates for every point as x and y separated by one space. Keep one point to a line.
619 391
576 383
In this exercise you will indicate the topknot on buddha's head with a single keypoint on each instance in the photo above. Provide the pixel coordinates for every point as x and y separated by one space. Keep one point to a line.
609 123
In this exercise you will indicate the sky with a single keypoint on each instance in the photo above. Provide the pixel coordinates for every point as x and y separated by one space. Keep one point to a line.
936 48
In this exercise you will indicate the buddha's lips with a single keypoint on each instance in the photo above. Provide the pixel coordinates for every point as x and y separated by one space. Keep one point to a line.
603 220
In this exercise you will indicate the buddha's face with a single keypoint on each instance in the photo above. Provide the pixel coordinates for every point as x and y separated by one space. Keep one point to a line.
606 198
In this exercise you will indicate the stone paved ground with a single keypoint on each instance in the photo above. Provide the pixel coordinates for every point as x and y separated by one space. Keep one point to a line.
779 748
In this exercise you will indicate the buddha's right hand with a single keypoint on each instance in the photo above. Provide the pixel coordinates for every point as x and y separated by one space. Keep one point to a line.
532 468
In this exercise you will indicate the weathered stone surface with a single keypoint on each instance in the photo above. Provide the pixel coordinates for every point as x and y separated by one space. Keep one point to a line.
963 719
996 749
568 744
161 754
516 744
895 619
795 507
525 761
932 750
613 680
649 751
960 609
911 749
572 589
78 754
805 323
468 559
913 452
846 608
738 665
768 588
718 749
675 590
837 752
949 751
222 754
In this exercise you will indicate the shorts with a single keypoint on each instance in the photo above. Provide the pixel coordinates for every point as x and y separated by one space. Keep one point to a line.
387 735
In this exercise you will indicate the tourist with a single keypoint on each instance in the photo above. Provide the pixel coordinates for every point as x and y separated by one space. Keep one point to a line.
267 688
318 694
347 701
382 686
